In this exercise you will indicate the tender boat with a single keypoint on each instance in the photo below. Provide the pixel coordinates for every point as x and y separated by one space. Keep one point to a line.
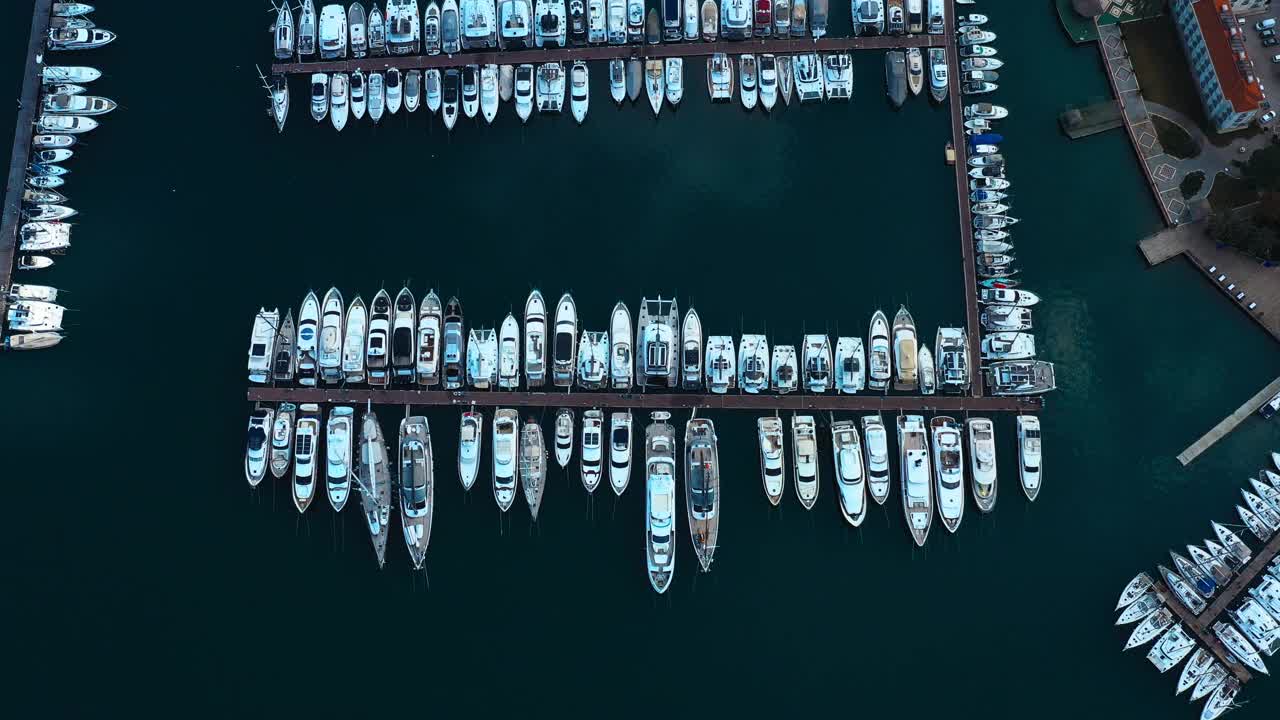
691 351
620 351
1141 608
282 440
533 465
817 363
721 364
592 457
339 434
535 340
768 77
915 70
654 73
286 359
675 80
1150 628
593 360
373 478
619 451
579 90
564 437
785 373
807 70
1029 458
308 337
454 346
470 439
753 364
434 90
330 344
33 262
939 74
482 358
430 327
772 458
905 350
504 457
550 87
917 484
509 354
656 343
804 446
564 351
927 371
257 446
702 488
306 437
747 91
851 481
660 501
618 80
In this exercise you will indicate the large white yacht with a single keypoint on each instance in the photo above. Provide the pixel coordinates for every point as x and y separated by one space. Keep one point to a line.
470 440
333 33
948 460
1029 454
850 365
262 344
417 487
306 440
509 354
620 450
621 355
876 450
535 340
564 346
504 457
804 446
353 343
916 471
308 339
982 462
772 458
340 434
591 457
851 479
430 325
905 351
660 501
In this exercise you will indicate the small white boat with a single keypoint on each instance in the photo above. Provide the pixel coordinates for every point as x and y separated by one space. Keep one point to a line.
851 481
804 446
675 80
691 351
654 78
359 95
394 89
620 351
306 440
470 438
747 76
591 459
564 437
433 90
505 450
489 92
768 81
579 90
339 101
524 92
618 80
339 433
257 444
619 451
79 74
377 96
927 371
1008 346
1029 458
772 458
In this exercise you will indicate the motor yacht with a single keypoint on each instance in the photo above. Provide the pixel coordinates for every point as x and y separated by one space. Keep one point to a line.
319 96
635 21
333 33
915 70
895 72
417 487
376 28
412 90
660 501
564 437
868 17
257 446
905 351
282 440
654 79
394 90
851 481
535 340
620 351
430 327
339 434
618 80
509 354
879 363
262 340
504 457
579 89
432 41
768 77
804 446
308 340
948 460
591 460
619 451
691 351
772 458
330 344
450 97
471 90
674 80
799 17
597 22
747 74
377 96
306 436
454 355
564 352
1029 458
489 92
982 462
359 97
917 483
470 440
404 337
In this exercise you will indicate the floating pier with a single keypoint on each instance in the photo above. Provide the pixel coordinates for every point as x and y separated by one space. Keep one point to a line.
20 157
659 400
693 48
1229 423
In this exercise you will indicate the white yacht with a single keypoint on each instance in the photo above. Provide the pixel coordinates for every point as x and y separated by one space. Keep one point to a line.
804 446
660 501
535 340
597 24
489 92
524 91
915 70
837 71
339 434
430 326
282 440
470 439
851 480
450 28
905 351
948 460
817 363
939 74
257 447
786 375
376 29
515 21
434 90
550 87
550 26
593 360
927 371
768 80
868 17
564 347
772 458
306 438
308 338
1029 454
482 358
876 448
417 487
1256 622
353 342
1008 346
807 69
329 346
620 352
394 90
564 437
710 14
691 351
359 99
690 21
1240 647
591 459
262 343
721 364
616 22
509 354
319 96
579 90
471 90
619 451
377 96
403 28
654 78
333 33
953 360
879 363
782 19
786 72
478 21
504 457
850 365
451 97
675 80
404 337
916 470
431 39
753 363
720 77
747 76
635 21
618 80
982 462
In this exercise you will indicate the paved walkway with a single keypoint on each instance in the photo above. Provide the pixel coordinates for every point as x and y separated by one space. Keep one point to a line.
1212 159
1162 170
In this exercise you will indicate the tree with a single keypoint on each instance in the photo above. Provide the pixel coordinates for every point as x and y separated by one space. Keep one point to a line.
1263 168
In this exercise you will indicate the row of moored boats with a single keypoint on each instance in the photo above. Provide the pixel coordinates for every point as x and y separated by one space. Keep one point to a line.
1252 632
399 341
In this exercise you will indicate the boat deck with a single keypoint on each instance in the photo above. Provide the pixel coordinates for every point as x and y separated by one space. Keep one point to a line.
19 158
788 46
957 404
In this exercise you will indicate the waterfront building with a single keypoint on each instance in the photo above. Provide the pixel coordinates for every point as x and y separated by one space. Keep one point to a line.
1223 72
1250 7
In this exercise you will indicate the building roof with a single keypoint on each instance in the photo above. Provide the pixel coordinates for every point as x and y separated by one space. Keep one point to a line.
1222 35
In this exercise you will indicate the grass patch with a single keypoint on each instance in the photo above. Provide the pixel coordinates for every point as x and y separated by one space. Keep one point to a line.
1191 185
1176 141
1229 192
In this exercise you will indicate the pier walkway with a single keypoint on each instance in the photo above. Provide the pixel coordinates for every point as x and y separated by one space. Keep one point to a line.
693 48
1229 423
659 400
1202 628
20 156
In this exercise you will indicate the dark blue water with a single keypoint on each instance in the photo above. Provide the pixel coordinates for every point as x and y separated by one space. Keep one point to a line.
144 576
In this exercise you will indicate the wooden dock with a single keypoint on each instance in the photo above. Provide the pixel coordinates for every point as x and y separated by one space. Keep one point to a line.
790 46
24 128
659 400
1229 423
1201 626
968 250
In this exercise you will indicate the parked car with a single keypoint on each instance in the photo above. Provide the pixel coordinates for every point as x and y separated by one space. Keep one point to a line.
1267 117
1265 24
1271 32
1269 42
